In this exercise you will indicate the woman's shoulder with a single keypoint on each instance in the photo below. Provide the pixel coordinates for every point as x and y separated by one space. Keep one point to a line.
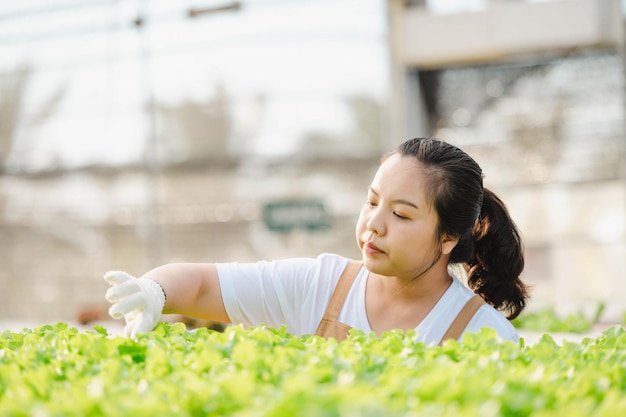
306 269
333 258
486 316
332 265
332 262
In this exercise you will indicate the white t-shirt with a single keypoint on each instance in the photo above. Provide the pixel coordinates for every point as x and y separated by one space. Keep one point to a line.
295 292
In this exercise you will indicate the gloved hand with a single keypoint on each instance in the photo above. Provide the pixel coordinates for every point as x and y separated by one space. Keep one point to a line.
139 300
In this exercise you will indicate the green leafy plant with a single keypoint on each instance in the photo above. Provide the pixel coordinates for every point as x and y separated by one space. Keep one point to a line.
547 320
56 370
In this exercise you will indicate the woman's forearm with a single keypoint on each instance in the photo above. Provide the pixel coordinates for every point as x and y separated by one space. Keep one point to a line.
191 289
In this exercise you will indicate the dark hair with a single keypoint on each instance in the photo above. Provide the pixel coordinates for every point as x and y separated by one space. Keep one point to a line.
489 241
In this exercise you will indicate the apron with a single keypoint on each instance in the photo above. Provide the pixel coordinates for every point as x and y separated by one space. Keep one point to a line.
331 327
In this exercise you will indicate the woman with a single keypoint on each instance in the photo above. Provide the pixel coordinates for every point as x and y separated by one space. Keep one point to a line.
426 210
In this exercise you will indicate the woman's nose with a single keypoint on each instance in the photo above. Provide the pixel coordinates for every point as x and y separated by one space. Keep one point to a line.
375 223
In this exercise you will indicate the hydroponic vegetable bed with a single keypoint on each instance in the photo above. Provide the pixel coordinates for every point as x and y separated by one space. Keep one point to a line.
56 370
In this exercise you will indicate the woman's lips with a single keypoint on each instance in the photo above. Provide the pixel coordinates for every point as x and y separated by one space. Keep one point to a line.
372 249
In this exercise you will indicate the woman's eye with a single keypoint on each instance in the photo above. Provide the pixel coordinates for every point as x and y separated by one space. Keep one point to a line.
400 216
370 203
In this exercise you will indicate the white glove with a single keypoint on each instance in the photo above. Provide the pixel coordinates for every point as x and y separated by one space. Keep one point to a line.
139 300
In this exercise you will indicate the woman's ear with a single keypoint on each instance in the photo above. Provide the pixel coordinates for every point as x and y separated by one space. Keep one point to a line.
448 243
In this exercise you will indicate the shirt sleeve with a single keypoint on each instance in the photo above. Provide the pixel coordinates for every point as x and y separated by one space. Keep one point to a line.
292 292
487 316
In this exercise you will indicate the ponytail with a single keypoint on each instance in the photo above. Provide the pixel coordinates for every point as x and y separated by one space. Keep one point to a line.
498 258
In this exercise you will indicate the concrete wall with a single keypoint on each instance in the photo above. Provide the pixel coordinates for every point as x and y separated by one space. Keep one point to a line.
508 29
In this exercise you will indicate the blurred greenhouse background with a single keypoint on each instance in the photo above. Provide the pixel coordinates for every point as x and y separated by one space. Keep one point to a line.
136 133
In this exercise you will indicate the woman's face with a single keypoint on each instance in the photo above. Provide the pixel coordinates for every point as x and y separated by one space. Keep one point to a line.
396 230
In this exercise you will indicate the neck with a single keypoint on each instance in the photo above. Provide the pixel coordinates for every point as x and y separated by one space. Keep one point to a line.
425 286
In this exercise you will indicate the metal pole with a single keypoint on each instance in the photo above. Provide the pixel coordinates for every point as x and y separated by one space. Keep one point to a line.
152 161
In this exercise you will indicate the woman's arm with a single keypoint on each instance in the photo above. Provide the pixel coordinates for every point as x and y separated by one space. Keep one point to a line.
191 289
183 288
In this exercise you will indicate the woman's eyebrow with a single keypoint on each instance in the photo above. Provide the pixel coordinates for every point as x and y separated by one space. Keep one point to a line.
398 201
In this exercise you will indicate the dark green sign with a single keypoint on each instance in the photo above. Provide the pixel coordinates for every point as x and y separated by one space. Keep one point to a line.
286 215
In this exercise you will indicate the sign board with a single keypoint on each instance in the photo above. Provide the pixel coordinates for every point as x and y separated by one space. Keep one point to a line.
286 215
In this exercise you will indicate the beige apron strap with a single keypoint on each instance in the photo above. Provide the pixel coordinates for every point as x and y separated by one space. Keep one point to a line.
463 318
341 291
339 296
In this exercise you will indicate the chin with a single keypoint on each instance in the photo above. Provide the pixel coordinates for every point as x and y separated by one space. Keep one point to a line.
375 266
